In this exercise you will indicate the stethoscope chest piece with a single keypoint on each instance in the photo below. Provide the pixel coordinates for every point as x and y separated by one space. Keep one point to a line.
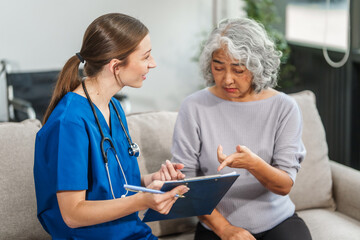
134 150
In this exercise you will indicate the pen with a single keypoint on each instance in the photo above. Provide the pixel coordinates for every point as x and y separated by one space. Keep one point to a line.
133 188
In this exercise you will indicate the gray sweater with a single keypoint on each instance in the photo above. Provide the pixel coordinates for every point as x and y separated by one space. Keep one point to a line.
271 128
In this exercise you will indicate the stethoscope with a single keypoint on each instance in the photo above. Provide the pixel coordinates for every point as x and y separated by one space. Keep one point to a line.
133 150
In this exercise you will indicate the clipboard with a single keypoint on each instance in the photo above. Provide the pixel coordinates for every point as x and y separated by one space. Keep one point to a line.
204 195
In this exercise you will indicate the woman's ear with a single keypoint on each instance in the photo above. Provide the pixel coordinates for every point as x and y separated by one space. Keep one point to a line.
114 65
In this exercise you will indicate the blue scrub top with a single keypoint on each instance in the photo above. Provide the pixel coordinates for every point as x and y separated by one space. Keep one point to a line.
68 157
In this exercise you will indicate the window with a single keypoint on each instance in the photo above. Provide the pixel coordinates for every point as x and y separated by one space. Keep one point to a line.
318 24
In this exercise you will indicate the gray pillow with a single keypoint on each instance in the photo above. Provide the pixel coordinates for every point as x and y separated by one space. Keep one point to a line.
17 193
153 132
313 185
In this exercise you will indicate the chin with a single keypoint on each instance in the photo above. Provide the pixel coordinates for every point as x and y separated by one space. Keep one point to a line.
138 85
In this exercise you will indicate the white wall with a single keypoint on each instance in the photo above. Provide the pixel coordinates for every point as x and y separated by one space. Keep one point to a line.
40 35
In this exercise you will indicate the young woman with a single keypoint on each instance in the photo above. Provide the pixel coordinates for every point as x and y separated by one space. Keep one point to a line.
84 154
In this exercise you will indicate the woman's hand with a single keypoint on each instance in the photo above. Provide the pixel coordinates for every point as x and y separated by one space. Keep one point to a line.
168 171
222 227
276 180
162 202
242 158
231 232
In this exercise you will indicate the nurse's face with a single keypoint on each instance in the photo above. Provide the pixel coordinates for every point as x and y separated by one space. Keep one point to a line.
139 64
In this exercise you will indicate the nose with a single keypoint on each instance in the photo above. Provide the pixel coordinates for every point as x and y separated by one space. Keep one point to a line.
152 63
228 78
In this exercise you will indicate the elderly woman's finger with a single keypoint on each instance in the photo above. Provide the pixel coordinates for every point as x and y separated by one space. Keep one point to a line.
222 165
238 148
221 156
227 162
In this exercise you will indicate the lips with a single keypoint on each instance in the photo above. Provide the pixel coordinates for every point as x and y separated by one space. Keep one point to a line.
230 90
144 76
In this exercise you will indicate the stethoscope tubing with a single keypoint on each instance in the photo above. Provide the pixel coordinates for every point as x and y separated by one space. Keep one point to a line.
133 150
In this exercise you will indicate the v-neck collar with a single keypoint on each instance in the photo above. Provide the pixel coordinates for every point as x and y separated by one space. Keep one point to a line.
104 126
109 128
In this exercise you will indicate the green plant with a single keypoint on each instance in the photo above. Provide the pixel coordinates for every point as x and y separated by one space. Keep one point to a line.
265 12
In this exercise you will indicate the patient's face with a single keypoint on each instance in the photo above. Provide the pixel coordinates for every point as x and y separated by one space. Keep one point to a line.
233 81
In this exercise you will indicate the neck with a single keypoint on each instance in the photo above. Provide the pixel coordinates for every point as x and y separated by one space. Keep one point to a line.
101 91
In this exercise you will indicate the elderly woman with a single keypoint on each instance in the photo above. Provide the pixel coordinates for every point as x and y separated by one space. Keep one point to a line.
247 126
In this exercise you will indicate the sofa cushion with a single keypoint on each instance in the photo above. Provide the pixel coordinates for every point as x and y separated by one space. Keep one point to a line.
313 185
153 132
330 225
17 193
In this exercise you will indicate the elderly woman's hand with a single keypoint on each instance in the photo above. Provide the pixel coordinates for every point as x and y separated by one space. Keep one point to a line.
242 158
236 233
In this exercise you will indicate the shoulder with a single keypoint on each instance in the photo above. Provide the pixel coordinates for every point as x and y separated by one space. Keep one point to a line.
287 107
288 102
193 105
281 99
195 99
72 110
197 96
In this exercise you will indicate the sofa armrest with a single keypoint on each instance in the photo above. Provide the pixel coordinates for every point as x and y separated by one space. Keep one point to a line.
346 189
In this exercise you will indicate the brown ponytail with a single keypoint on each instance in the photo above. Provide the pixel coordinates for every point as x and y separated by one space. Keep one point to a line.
67 81
111 36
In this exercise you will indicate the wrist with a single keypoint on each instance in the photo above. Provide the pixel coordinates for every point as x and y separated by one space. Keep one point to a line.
146 179
256 163
139 201
221 230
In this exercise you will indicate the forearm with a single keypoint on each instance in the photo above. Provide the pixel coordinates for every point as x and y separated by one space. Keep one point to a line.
215 221
274 179
146 179
86 213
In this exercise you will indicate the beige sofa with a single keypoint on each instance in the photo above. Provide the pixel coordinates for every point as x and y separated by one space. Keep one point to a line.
326 194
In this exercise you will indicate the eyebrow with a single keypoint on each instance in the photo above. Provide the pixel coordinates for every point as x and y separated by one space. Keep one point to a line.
147 52
220 62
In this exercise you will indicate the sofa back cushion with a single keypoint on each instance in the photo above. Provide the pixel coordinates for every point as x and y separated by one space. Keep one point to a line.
153 132
17 193
313 185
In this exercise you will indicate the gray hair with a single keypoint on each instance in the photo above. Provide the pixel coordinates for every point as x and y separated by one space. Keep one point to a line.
247 41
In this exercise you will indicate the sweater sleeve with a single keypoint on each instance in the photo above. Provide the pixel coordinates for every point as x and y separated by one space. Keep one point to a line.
289 150
186 145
